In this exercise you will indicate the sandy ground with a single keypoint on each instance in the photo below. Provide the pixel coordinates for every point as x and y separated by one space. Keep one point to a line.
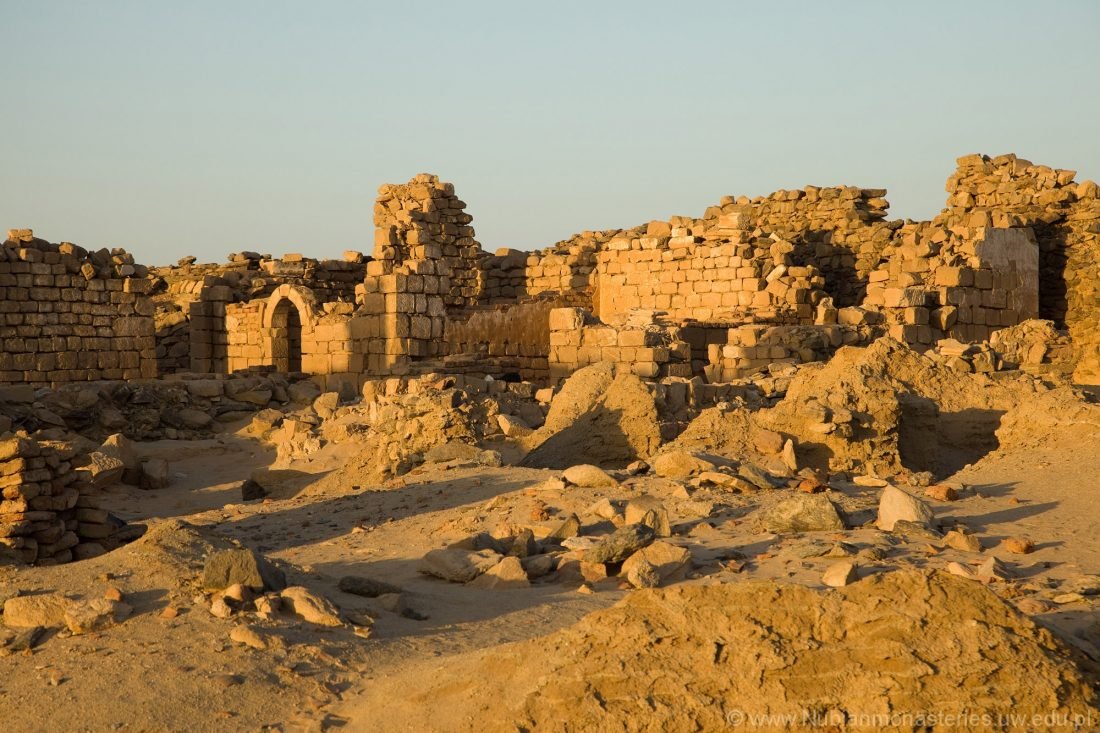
184 673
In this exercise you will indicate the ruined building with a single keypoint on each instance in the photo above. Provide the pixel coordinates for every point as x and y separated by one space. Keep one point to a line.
778 279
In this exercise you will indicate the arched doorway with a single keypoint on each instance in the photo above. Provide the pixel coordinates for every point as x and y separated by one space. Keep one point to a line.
286 337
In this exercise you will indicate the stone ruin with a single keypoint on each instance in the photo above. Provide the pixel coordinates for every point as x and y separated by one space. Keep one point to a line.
751 285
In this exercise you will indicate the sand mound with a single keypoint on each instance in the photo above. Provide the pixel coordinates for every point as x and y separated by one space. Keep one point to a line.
1055 418
690 658
600 416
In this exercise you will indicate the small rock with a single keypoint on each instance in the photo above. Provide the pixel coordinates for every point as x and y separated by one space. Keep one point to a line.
223 568
964 542
589 476
869 481
621 544
238 593
505 575
248 637
895 504
648 510
456 565
251 490
538 566
636 468
113 594
660 562
366 587
840 574
790 460
46 610
512 426
1032 606
169 612
679 465
220 609
1018 545
941 492
310 607
603 509
571 527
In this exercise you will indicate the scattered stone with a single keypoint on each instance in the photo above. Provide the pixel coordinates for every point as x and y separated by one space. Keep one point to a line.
571 527
589 476
803 513
251 490
636 468
621 544
367 587
964 542
660 562
457 565
46 610
220 609
840 574
895 505
679 465
309 606
1018 545
506 574
248 637
648 510
224 568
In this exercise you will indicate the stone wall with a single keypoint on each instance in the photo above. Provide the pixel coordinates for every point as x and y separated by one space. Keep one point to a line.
68 315
753 349
648 349
47 514
519 333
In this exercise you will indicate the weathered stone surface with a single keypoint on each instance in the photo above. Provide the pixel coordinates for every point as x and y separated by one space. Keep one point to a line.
621 544
895 505
456 565
505 575
588 476
803 513
648 510
227 567
310 607
679 465
47 609
660 562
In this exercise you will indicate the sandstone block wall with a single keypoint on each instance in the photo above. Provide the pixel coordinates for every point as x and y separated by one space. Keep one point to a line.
755 348
519 334
649 350
68 315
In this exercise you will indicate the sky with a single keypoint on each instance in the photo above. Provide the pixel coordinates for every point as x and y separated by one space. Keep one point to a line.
205 128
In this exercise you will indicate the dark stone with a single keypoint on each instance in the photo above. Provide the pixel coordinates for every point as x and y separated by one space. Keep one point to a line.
227 567
250 491
366 587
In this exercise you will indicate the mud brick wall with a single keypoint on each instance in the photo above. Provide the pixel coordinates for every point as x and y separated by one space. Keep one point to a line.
424 220
47 516
752 349
68 315
648 350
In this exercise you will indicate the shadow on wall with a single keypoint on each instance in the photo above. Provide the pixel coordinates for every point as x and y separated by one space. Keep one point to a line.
944 442
843 282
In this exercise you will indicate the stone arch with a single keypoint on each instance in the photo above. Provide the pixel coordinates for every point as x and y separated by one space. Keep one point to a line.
290 315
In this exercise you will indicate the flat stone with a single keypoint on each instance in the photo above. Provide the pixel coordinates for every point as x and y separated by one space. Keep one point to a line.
679 465
366 587
621 544
457 565
803 513
46 610
840 574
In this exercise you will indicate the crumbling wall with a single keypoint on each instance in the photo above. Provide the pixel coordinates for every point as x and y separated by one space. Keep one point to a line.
754 348
1007 191
69 315
516 336
639 345
48 514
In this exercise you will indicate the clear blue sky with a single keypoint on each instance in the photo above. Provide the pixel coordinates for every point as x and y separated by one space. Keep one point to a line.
173 128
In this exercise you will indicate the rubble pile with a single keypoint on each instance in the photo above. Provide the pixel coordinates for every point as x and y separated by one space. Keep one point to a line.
49 513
